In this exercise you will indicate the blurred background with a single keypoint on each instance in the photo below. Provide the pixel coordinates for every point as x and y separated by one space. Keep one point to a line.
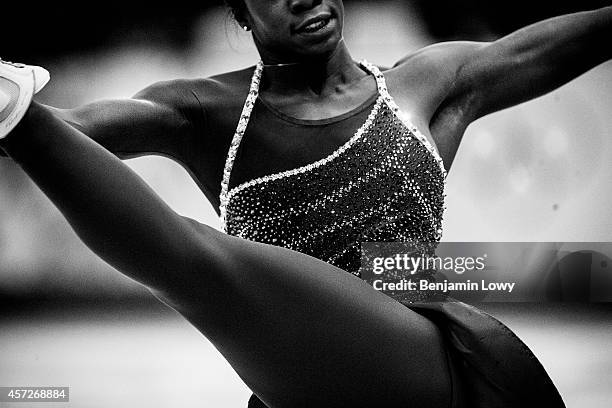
536 172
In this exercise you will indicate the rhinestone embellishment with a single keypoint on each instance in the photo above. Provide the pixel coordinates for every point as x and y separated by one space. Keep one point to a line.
385 184
240 130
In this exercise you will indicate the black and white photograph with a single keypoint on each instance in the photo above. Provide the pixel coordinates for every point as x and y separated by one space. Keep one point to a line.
306 203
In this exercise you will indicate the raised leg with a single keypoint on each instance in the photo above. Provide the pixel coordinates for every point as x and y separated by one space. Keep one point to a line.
299 331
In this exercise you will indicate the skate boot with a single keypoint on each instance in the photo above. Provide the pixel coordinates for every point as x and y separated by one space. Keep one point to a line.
18 84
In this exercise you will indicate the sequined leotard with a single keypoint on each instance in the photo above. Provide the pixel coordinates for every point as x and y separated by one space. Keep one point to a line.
385 184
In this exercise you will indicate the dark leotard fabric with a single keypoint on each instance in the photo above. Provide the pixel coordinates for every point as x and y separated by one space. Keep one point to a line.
384 183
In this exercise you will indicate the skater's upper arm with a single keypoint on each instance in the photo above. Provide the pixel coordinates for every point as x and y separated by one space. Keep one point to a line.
161 119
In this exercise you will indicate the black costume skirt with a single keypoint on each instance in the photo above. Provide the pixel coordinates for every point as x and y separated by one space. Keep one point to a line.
490 366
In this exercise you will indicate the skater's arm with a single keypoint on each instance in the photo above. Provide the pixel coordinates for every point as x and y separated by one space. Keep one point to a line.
528 63
160 119
460 82
472 79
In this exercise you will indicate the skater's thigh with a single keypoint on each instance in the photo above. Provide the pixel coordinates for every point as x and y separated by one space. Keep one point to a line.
298 329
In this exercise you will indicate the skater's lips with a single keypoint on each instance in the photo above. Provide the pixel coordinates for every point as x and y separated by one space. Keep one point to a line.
322 17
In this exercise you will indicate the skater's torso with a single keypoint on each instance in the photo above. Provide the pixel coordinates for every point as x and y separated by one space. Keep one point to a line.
215 105
379 179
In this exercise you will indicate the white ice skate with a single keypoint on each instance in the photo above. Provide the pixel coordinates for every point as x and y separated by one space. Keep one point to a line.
18 84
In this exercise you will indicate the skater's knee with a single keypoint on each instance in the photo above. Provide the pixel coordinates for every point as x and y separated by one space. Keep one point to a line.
37 117
36 114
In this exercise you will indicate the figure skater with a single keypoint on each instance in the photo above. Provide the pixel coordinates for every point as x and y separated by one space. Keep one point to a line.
305 156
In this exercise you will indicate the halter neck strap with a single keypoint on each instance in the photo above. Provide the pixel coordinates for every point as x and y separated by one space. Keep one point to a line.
238 134
381 83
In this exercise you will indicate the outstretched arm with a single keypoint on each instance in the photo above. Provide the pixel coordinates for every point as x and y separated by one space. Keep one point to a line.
535 60
157 120
467 80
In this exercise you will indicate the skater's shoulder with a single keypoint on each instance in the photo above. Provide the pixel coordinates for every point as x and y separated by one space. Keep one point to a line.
221 89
